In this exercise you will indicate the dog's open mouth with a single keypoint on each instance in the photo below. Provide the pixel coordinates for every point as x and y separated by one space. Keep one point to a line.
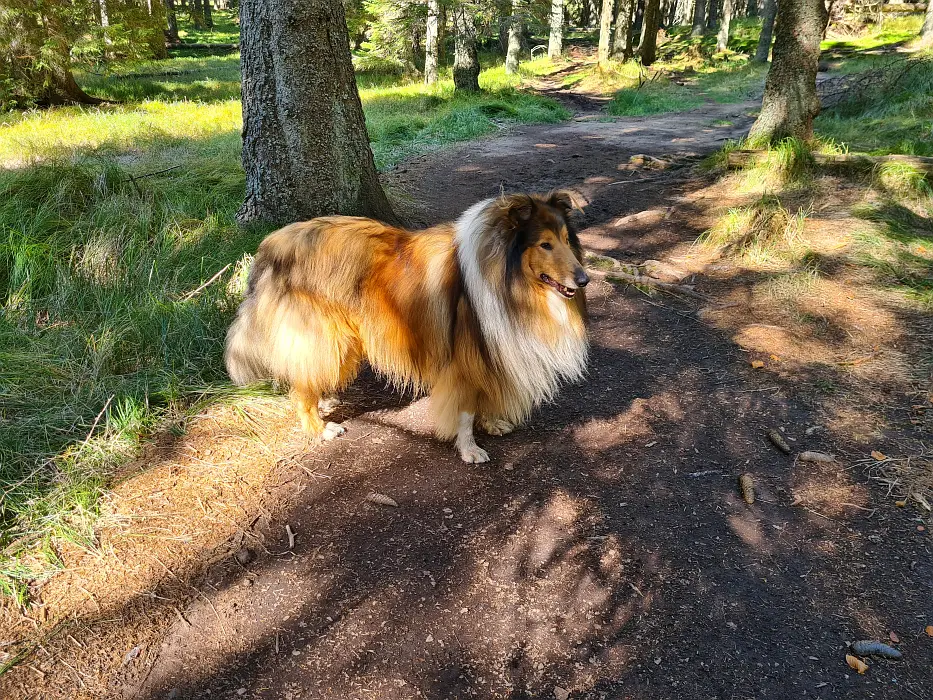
566 292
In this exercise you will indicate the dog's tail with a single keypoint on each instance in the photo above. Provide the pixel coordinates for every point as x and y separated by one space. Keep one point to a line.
242 354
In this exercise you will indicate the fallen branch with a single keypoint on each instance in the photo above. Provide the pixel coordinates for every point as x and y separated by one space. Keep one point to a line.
744 158
206 284
620 276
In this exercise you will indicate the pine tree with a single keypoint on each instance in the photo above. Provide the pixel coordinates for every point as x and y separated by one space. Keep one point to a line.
305 148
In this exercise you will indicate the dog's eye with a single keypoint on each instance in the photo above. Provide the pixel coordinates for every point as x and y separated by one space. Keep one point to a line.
547 246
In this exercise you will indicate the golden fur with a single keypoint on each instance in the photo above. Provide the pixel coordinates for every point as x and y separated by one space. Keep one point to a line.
476 312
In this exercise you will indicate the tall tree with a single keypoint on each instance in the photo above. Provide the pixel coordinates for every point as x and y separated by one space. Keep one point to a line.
712 21
790 101
207 10
605 33
104 16
171 33
515 39
432 43
648 47
926 31
699 18
622 37
555 42
466 62
305 147
722 38
767 27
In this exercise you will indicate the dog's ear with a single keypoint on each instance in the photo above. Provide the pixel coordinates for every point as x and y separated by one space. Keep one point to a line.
520 207
562 200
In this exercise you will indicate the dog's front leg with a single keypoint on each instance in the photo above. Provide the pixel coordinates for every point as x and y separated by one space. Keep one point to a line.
466 445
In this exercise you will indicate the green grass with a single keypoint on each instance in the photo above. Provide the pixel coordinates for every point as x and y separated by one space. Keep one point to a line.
890 30
226 29
97 266
759 232
653 98
889 117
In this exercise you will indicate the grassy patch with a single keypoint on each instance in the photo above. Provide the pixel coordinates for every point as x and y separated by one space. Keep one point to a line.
890 30
226 29
889 116
758 232
653 98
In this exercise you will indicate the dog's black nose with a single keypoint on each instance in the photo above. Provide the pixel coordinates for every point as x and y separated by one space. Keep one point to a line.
581 279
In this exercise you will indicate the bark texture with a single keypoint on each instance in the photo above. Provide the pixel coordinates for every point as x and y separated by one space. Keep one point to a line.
466 62
622 37
767 27
171 34
432 43
207 9
648 47
699 18
305 148
555 42
722 38
605 33
515 42
790 101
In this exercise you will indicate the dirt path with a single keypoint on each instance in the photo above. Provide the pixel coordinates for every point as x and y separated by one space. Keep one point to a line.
605 550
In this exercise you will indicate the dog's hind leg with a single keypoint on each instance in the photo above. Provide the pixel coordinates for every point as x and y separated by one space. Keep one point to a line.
306 404
496 426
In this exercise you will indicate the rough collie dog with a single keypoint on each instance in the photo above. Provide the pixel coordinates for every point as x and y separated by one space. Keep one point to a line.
486 313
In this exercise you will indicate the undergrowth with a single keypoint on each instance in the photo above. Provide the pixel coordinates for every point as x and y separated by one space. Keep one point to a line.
757 232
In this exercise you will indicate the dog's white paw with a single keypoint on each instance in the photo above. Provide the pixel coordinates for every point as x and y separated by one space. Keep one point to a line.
497 426
328 405
332 430
473 454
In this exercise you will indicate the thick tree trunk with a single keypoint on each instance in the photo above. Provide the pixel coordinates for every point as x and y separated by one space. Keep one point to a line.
722 39
751 8
622 38
171 33
555 42
305 148
196 13
515 41
790 101
605 33
767 27
699 18
431 43
208 14
648 47
926 31
466 63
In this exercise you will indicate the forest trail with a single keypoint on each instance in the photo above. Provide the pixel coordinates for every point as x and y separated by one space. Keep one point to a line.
605 552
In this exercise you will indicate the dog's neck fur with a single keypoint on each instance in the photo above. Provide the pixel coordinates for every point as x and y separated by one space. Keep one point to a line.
535 367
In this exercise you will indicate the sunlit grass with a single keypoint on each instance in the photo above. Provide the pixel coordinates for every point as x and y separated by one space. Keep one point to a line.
760 233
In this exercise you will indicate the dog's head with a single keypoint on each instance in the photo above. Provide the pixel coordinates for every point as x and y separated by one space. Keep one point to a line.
542 247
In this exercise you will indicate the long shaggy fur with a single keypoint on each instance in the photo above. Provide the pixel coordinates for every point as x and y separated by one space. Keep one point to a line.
487 314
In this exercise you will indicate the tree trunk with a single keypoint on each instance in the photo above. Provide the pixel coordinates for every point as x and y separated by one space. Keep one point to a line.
555 43
790 101
584 13
197 14
172 33
926 31
722 39
104 18
605 33
208 14
648 47
622 40
699 18
515 41
305 148
466 63
751 8
767 27
431 43
713 20
441 33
